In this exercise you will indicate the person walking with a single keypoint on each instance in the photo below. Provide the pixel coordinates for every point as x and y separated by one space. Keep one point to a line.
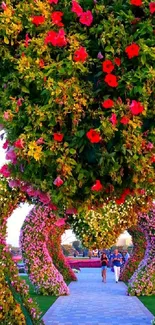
116 260
104 262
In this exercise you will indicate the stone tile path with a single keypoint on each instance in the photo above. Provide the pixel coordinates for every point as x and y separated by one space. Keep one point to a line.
92 302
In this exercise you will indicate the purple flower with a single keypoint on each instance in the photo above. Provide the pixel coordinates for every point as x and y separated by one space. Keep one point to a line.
99 56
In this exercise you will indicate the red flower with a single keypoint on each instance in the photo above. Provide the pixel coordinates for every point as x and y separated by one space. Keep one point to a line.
27 40
97 186
132 50
107 66
58 181
56 39
53 1
56 17
111 80
108 103
117 61
153 159
58 137
121 200
5 144
19 143
76 8
136 107
38 20
137 3
80 55
93 136
152 7
60 222
113 119
86 18
41 63
124 120
5 171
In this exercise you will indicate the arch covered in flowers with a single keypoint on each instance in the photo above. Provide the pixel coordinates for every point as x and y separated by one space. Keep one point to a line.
34 238
139 247
63 71
143 280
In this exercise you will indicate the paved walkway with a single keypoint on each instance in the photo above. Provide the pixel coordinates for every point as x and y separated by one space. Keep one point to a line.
92 302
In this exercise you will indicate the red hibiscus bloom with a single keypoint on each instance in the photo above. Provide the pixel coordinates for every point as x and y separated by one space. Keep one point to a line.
137 3
107 66
111 80
38 20
132 50
152 7
117 61
136 107
56 17
19 143
53 1
97 186
58 181
80 55
86 18
56 39
124 120
58 137
108 103
93 136
113 119
76 8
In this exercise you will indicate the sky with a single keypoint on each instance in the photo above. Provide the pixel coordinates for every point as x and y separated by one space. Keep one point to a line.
16 220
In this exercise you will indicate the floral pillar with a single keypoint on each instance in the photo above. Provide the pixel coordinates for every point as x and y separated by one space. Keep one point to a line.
139 242
143 280
34 237
16 306
55 251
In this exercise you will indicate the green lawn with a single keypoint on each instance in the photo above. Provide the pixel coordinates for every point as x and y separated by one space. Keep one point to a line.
44 302
149 302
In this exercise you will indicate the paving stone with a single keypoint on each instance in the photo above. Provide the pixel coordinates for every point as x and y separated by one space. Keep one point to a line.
92 302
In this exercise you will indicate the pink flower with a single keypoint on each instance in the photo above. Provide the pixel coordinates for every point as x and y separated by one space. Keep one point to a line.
27 40
53 1
14 183
136 107
4 6
6 115
113 119
5 171
40 141
86 18
99 56
71 211
152 7
19 143
124 120
149 145
19 101
5 144
44 198
58 181
76 8
11 155
60 222
56 39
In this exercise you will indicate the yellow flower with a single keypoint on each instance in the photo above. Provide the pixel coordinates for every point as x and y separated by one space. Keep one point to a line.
35 151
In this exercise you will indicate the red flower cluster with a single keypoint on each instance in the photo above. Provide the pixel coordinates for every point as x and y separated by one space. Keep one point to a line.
122 198
111 80
124 120
152 7
86 17
58 137
97 186
56 17
137 3
93 136
38 20
80 55
56 39
107 66
132 50
136 107
108 103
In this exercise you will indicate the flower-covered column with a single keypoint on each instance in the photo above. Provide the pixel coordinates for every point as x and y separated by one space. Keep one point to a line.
55 251
139 242
143 280
34 236
16 306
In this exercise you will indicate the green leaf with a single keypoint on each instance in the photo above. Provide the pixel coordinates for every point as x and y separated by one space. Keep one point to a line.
25 90
72 151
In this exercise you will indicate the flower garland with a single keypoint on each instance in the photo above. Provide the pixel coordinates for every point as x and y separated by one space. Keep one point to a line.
77 97
16 306
143 280
33 238
139 243
55 251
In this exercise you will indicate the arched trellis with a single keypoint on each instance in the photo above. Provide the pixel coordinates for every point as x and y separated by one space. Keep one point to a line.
139 247
143 280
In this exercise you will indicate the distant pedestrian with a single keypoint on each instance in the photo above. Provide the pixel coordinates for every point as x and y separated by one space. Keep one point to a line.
104 263
117 260
126 256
